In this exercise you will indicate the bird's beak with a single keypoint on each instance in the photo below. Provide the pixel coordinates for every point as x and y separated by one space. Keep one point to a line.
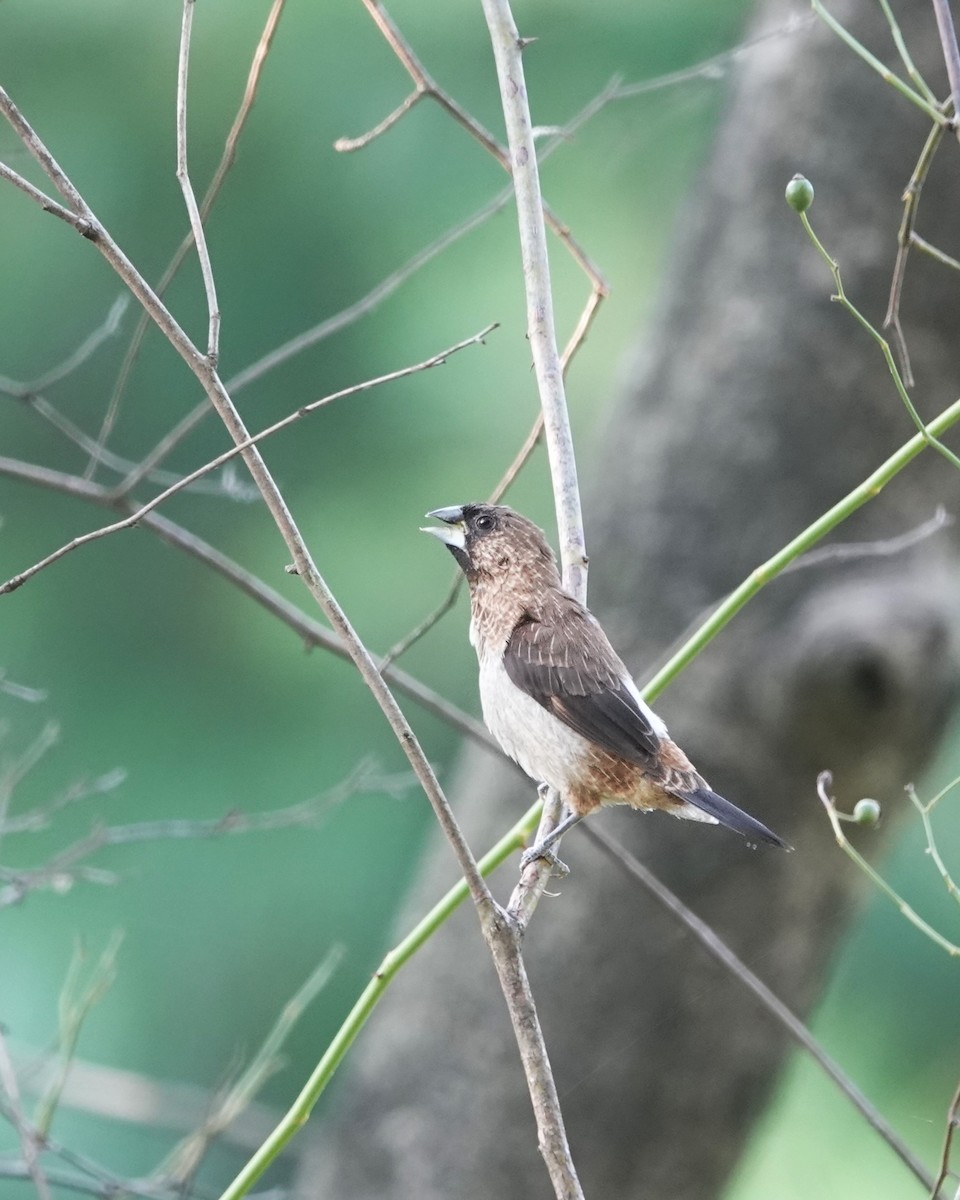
455 534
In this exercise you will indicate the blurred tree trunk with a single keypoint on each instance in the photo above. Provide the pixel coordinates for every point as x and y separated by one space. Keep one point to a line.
754 406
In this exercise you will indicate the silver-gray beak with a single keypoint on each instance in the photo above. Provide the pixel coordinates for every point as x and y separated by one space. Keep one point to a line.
455 532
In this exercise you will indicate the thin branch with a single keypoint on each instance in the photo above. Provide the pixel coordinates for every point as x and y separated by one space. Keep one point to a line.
938 255
77 998
824 782
346 145
868 490
905 57
227 160
59 872
715 946
932 849
310 337
520 460
181 1165
953 1122
884 72
20 691
905 234
711 68
28 1136
309 630
951 53
41 198
884 345
239 448
90 344
189 199
522 151
882 548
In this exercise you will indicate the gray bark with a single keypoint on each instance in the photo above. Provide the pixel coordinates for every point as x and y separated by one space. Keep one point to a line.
754 405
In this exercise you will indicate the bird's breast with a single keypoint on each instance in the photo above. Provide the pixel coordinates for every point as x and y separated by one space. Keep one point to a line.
544 747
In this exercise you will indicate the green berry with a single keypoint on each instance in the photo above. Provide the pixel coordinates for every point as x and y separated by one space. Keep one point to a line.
799 193
866 811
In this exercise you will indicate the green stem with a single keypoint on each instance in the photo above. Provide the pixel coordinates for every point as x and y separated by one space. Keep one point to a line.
883 71
759 578
296 1116
910 913
841 299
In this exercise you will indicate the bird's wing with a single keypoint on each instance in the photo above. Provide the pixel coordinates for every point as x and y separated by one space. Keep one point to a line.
566 664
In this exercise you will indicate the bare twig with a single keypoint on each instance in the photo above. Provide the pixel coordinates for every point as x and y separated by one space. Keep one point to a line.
189 199
223 167
824 782
711 68
934 252
425 85
19 690
59 872
310 630
915 97
905 234
90 344
182 1163
951 53
953 1122
76 1001
715 946
30 1138
843 300
932 848
881 548
240 447
41 198
905 57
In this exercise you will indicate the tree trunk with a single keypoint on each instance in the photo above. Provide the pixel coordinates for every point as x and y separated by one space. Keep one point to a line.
755 404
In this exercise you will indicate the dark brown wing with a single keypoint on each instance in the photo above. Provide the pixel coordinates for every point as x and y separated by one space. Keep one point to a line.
566 664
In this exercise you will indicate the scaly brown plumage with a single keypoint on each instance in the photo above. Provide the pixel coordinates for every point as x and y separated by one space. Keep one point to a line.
555 694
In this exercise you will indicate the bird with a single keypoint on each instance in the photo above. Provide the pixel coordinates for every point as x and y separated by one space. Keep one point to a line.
555 694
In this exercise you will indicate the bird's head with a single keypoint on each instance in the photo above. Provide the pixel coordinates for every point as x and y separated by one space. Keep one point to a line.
491 541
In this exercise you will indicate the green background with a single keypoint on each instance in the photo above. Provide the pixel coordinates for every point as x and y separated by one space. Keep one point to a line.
152 664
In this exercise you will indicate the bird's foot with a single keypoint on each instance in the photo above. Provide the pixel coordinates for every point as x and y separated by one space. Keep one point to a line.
544 854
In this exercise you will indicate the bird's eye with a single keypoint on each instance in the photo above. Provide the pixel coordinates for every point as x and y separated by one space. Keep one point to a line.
485 523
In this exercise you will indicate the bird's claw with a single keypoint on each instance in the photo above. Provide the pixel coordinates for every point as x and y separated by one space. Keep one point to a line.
536 854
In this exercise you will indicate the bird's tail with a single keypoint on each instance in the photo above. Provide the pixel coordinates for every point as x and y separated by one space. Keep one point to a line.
734 818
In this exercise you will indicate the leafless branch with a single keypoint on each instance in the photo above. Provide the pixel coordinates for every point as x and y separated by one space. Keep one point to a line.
180 1166
882 548
953 1121
19 690
905 235
189 199
29 1138
310 630
714 945
951 54
90 344
59 873
240 447
426 85
223 167
711 68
